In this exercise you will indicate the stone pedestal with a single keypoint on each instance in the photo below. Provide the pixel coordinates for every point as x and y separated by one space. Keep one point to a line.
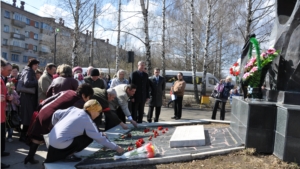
283 97
188 136
254 122
287 135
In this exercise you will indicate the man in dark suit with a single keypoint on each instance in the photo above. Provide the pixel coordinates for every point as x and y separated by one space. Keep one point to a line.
157 86
140 79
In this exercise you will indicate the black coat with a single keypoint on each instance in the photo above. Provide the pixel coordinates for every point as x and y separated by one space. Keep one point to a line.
156 90
142 91
28 101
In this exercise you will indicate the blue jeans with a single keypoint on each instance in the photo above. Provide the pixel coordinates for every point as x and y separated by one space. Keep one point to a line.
9 132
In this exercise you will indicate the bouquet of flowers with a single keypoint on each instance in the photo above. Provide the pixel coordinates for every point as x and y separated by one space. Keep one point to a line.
253 69
146 151
235 70
10 87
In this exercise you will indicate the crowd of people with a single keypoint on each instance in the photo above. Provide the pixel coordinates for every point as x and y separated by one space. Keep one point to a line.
62 102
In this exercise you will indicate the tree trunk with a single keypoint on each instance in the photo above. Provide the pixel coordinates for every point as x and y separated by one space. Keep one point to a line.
118 39
193 54
163 58
186 67
220 55
76 36
92 43
163 39
147 41
207 38
249 19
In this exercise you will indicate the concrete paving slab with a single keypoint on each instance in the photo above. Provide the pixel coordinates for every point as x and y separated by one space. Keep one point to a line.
218 139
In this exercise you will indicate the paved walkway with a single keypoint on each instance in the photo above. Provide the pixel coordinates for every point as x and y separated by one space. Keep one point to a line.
19 150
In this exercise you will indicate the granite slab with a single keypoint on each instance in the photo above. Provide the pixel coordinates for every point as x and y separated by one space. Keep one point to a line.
188 136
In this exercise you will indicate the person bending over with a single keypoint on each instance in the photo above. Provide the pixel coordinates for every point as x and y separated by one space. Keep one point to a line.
74 130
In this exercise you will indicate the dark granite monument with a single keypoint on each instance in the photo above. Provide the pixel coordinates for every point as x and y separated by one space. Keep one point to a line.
272 126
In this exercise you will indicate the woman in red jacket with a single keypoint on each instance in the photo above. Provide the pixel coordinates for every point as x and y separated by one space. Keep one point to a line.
5 71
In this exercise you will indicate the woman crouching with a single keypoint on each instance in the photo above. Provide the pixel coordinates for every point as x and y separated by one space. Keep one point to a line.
74 130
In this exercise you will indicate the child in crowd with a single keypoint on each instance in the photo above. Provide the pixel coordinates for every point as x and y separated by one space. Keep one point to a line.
79 78
38 73
12 115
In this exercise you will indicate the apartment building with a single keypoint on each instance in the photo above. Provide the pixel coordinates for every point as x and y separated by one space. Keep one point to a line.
25 35
21 34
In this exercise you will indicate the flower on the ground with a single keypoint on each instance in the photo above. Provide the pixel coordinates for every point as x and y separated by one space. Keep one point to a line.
146 151
138 144
129 148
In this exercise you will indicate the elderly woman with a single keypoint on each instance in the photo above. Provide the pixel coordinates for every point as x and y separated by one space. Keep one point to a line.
74 130
223 99
28 101
42 124
65 81
120 79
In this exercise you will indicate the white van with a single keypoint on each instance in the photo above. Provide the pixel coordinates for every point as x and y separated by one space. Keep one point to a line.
105 70
171 76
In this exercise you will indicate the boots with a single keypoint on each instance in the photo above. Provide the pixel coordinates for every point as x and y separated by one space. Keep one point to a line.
30 157
23 134
23 137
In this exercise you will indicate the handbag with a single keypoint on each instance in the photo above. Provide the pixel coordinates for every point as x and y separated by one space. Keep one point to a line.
173 97
217 92
13 119
21 88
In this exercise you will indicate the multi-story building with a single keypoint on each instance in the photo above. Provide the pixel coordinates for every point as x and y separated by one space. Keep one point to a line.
21 34
25 35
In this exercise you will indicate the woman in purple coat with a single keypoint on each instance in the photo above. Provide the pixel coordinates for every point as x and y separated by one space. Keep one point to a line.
65 81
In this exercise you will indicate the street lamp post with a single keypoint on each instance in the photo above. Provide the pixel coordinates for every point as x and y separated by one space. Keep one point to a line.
56 32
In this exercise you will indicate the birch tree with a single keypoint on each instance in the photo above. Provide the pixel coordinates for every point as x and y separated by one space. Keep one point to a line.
146 30
81 14
210 4
193 59
256 19
163 58
118 38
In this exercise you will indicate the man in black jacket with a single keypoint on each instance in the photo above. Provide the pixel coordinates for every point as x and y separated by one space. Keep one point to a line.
140 79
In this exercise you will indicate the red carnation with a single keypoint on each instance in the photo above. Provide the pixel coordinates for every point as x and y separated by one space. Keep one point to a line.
14 80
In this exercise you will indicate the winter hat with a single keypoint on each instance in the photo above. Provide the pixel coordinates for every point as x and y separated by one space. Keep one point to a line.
77 68
78 76
95 72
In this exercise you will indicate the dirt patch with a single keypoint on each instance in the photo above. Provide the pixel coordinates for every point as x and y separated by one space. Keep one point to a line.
244 159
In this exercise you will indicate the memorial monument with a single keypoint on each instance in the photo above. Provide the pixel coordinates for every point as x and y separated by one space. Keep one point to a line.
271 125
